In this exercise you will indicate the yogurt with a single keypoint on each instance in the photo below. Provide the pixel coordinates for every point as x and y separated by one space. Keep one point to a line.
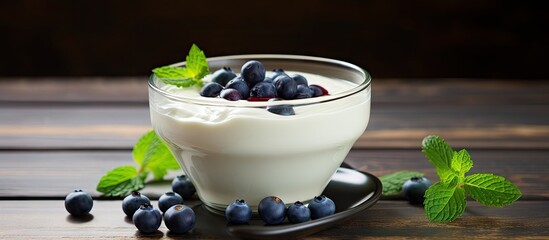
247 152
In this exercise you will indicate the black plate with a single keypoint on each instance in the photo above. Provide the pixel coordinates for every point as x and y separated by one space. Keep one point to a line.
351 190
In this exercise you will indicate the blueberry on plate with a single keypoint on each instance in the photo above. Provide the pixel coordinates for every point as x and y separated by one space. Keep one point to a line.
286 87
321 206
298 213
299 79
272 210
414 189
277 72
303 92
179 219
240 85
169 199
230 94
238 212
263 90
132 202
78 203
147 219
183 186
211 89
223 76
284 109
252 72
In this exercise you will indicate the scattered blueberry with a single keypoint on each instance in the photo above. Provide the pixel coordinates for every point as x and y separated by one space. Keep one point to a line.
298 213
239 212
277 72
414 189
223 76
263 90
240 85
132 202
300 80
183 186
230 94
78 203
252 72
321 206
179 219
147 219
211 89
284 109
286 87
169 199
317 92
303 92
272 210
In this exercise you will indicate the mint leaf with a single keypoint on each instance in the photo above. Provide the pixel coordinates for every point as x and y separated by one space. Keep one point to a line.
170 72
392 183
196 62
439 154
152 155
461 162
444 202
121 181
196 68
491 190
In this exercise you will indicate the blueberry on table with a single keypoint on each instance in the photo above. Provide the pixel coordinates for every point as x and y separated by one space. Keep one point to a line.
240 85
298 213
78 203
147 219
183 186
211 89
223 76
238 212
303 92
252 72
230 94
272 210
321 206
414 189
169 199
179 219
286 87
299 79
132 202
263 90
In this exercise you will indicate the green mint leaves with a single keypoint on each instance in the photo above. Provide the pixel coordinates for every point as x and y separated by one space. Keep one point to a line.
151 155
191 75
392 183
446 200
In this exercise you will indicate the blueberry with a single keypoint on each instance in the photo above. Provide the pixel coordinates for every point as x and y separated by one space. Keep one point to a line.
78 203
230 94
300 80
239 212
240 85
303 92
263 90
268 79
132 202
223 76
277 72
169 199
147 219
252 72
272 210
179 219
284 109
317 92
211 89
298 213
286 87
321 206
414 189
183 186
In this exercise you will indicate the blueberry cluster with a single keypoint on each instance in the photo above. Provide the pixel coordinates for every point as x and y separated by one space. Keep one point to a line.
253 85
273 211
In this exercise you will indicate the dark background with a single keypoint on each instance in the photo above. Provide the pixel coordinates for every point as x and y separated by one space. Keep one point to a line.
405 39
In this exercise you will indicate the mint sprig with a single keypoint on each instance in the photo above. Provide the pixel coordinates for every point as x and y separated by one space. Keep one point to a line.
191 75
151 156
445 201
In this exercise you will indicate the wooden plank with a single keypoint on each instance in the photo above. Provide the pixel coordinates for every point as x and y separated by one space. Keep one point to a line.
52 174
386 219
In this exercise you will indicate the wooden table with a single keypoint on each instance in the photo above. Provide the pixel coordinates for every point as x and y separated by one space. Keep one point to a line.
60 134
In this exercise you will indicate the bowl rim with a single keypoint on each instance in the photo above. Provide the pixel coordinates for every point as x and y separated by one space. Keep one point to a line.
366 83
